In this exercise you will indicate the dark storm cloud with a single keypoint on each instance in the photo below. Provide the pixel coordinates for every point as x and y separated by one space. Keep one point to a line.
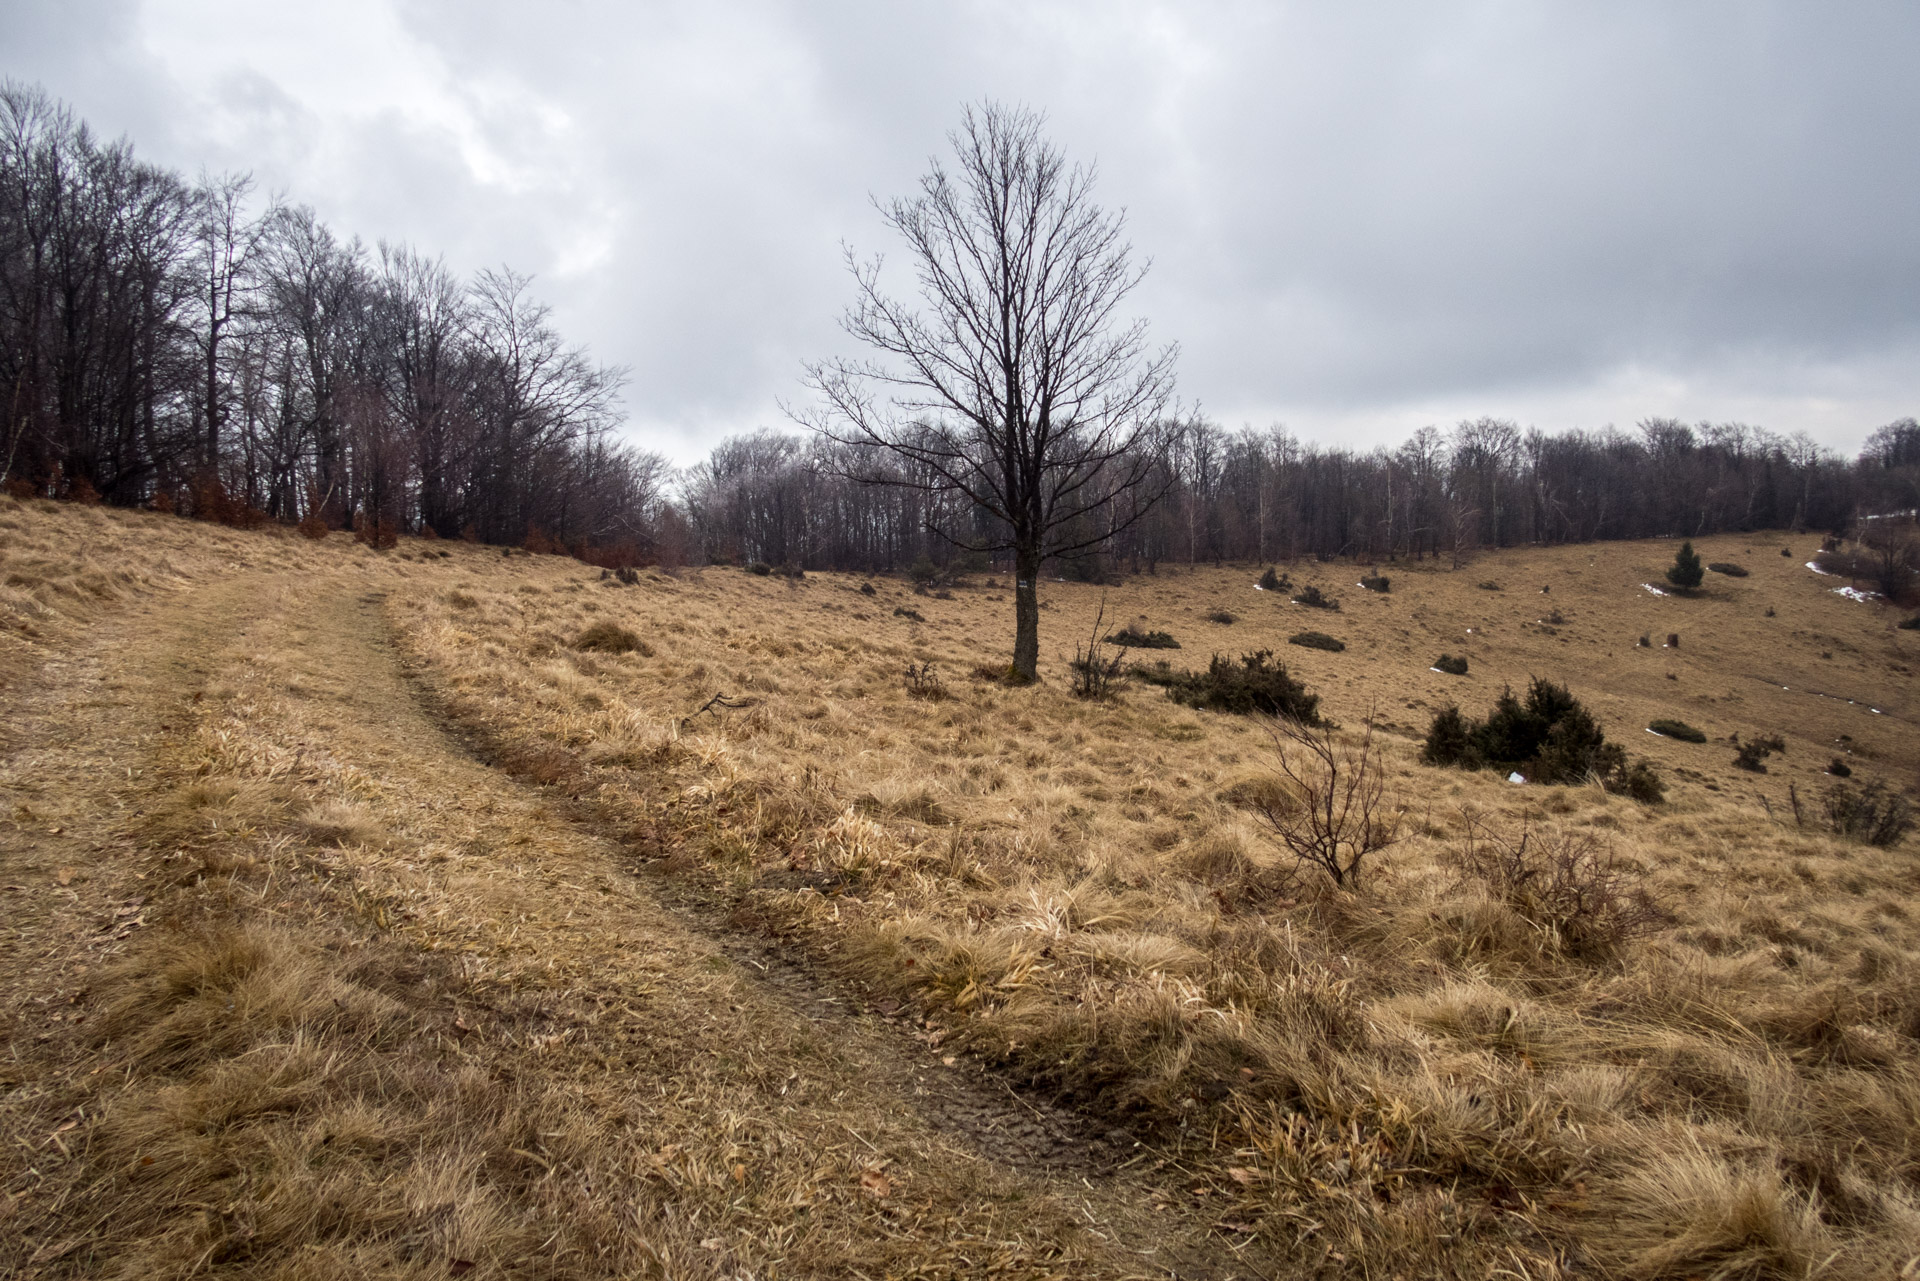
1362 217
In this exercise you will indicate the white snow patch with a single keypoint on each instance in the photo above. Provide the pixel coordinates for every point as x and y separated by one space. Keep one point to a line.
1816 569
1854 593
1655 590
1516 777
1435 669
1258 588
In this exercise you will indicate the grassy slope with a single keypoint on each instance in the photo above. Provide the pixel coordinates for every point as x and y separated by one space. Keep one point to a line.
1419 1076
1412 1080
300 989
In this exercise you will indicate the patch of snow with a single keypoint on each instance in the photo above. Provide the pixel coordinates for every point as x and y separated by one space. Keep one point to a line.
1854 593
1816 569
1876 711
1435 669
1258 588
1655 590
1516 777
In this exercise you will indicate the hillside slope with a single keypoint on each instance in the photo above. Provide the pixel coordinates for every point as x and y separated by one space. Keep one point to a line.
366 916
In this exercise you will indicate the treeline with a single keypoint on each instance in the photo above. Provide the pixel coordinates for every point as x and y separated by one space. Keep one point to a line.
1268 496
176 344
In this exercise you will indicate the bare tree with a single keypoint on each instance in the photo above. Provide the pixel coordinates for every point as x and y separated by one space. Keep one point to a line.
1018 385
225 239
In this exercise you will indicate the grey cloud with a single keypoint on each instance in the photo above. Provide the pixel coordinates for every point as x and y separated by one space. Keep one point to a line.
1358 214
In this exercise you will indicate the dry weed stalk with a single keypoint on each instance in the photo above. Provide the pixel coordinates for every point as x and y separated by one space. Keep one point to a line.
1330 810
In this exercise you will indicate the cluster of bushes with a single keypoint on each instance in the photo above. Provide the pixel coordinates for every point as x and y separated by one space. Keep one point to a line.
1376 583
1874 814
1753 753
1223 617
1728 568
1274 581
1317 640
1313 598
1252 683
1132 636
1451 665
1548 738
1677 729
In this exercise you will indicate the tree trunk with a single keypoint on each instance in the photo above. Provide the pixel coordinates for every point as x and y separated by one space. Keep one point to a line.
1026 613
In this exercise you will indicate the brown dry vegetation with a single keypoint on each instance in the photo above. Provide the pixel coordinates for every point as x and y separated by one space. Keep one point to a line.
385 1010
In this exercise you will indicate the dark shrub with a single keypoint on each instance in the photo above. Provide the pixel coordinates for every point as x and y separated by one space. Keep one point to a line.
867 589
1786 551
1312 598
1645 641
1450 741
1753 753
1255 683
1451 665
1490 586
1673 640
1677 729
1874 814
627 576
611 638
1839 768
1376 583
901 611
1223 617
1686 571
1132 636
923 572
761 568
1160 673
1639 781
1317 640
1728 568
1275 582
1549 738
790 572
1909 624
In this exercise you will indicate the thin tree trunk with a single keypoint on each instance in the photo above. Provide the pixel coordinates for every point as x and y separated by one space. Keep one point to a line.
1026 613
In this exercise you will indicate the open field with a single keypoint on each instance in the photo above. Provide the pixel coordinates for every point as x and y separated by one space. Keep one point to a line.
302 984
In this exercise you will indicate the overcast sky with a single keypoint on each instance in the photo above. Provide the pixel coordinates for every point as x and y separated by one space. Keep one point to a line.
1362 218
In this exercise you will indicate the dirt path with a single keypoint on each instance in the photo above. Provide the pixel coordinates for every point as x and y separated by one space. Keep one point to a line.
295 985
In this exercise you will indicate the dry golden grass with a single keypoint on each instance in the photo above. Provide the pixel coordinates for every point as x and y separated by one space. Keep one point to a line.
1417 1077
383 1010
300 989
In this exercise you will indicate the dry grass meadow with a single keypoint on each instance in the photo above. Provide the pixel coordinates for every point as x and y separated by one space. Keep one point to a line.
366 917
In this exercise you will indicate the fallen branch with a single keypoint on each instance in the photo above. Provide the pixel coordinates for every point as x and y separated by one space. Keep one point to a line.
720 701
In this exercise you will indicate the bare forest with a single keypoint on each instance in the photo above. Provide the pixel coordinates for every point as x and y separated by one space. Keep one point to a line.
196 346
